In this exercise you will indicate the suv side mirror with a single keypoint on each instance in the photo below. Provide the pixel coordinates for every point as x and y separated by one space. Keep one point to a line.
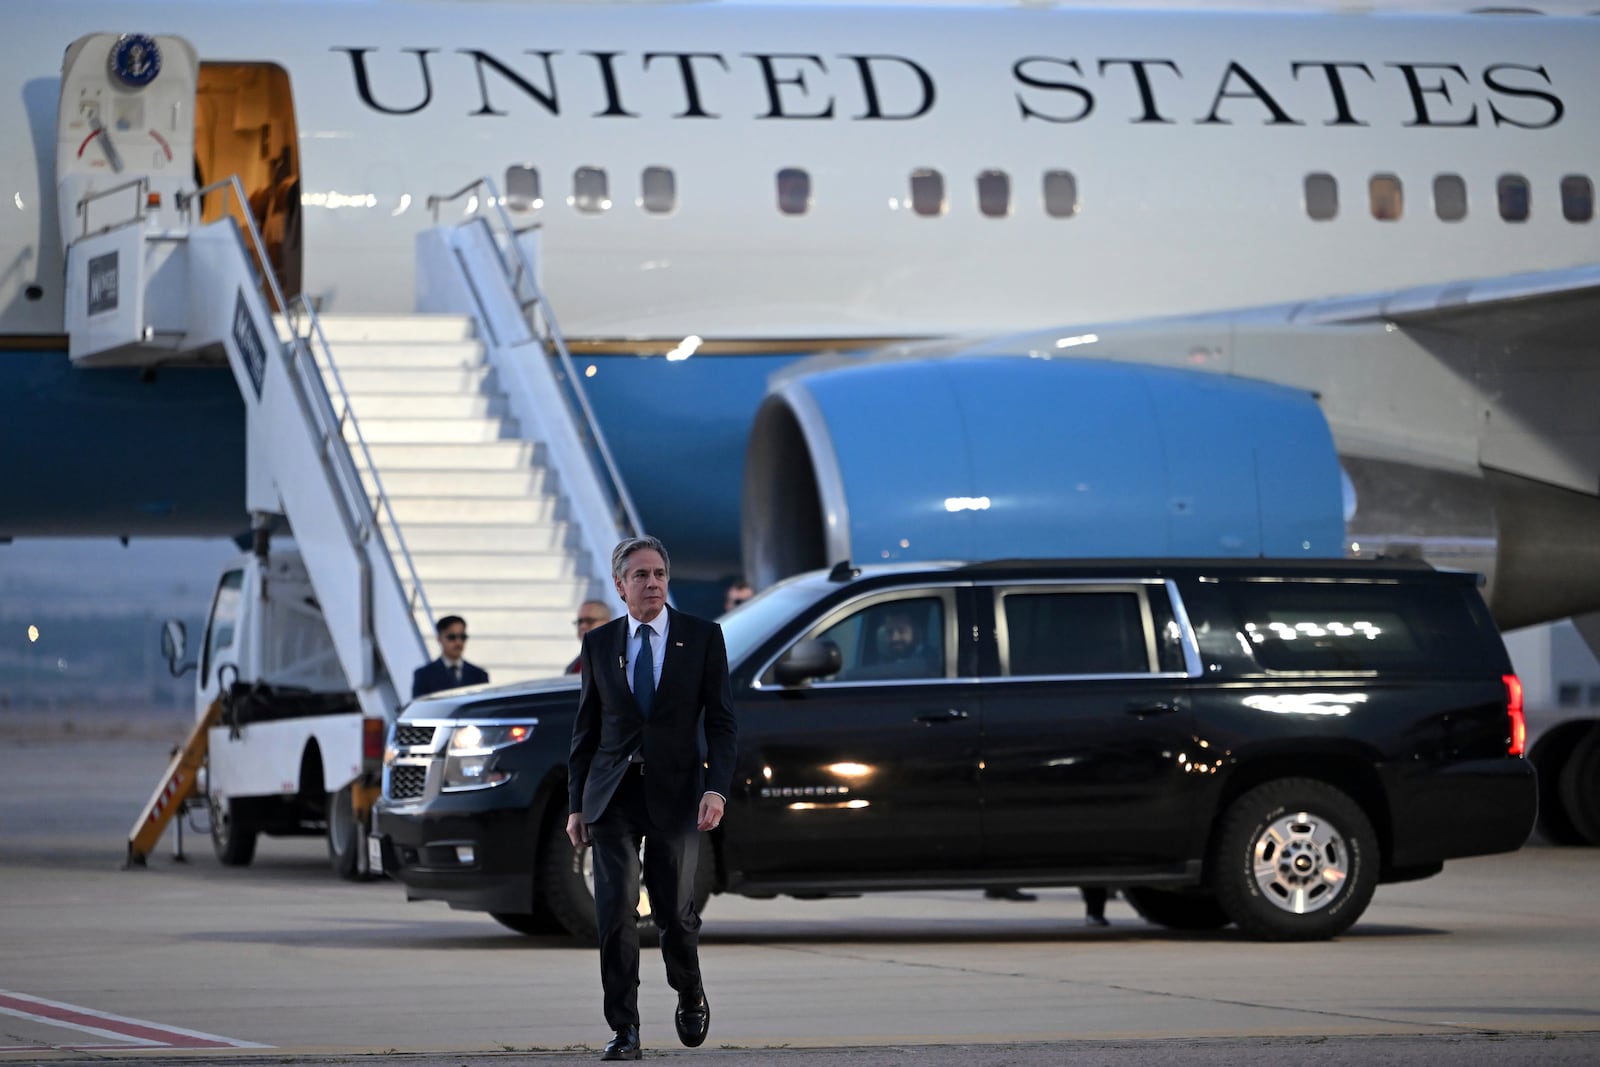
174 642
808 660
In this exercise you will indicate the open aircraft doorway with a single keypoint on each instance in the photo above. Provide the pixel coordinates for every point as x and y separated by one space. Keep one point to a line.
244 125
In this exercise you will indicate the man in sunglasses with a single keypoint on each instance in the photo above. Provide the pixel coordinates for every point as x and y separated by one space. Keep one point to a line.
451 669
591 613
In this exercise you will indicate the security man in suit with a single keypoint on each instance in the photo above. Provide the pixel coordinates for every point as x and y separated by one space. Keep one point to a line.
451 668
652 760
591 613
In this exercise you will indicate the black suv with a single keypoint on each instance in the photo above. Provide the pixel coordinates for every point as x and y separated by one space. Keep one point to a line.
1246 741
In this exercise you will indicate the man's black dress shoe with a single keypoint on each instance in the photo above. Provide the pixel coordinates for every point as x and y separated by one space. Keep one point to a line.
624 1045
693 1018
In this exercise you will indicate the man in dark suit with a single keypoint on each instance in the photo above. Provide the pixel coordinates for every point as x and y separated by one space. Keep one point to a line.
652 761
451 668
591 613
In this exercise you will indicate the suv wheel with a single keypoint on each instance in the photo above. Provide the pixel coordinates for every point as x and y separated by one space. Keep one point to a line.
566 884
1295 860
1177 911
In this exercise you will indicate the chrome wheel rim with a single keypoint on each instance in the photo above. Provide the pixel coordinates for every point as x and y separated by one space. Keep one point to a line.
1301 863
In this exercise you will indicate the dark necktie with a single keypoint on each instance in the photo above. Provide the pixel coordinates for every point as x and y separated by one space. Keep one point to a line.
644 672
456 670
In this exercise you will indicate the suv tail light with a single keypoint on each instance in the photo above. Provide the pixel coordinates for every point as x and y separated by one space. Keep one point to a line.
1519 725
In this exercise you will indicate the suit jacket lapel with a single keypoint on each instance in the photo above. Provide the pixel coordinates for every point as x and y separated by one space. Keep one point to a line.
672 650
621 642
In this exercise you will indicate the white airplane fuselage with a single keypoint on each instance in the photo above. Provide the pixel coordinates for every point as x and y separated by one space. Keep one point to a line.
1132 166
1189 137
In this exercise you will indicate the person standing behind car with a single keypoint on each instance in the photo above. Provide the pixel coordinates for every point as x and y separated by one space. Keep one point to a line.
653 747
591 613
451 669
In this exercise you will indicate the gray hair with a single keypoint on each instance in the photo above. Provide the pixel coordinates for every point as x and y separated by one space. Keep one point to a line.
629 545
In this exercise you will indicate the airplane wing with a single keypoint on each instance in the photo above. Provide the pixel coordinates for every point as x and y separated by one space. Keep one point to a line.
1556 307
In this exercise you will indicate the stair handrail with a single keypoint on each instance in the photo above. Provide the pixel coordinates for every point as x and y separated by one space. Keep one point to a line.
542 325
361 515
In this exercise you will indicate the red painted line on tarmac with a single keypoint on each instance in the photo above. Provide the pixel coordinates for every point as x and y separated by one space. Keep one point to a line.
133 1031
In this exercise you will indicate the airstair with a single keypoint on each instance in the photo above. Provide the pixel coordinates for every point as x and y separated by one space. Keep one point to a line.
411 457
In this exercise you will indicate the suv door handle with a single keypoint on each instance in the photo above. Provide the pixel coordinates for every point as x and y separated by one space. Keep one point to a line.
948 715
1163 707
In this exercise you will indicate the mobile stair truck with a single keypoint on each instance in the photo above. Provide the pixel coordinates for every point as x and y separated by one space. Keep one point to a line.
284 745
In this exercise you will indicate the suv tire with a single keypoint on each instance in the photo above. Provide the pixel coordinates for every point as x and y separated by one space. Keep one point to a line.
1295 860
566 884
1177 911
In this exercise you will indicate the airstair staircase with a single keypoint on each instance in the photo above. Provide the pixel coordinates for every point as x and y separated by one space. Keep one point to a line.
429 465
473 501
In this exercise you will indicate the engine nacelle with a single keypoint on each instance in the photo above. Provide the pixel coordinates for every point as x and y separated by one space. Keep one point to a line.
982 457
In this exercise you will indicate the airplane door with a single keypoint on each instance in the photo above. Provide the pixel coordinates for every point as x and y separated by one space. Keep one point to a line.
126 114
245 126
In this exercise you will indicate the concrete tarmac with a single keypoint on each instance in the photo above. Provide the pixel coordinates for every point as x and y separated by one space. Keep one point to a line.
1497 960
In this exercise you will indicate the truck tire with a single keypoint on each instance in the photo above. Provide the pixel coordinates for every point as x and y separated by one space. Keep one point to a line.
1177 911
566 885
347 839
233 832
1295 860
1580 788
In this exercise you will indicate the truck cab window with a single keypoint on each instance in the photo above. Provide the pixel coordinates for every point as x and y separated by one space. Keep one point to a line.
224 618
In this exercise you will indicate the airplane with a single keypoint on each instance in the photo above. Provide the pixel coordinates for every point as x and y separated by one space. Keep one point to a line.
890 282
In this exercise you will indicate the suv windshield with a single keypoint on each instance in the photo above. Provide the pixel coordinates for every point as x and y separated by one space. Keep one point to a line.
750 624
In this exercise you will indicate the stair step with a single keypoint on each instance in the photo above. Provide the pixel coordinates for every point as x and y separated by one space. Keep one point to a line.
455 596
487 537
548 655
393 328
423 406
533 621
434 431
466 566
479 456
480 509
361 381
406 355
503 673
509 484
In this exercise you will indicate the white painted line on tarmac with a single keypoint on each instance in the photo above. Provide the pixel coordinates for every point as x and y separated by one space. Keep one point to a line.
129 1032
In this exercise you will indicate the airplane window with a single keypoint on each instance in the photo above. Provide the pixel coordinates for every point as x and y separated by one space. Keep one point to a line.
927 192
994 193
1060 194
794 191
1513 190
1322 196
1386 197
522 188
658 190
1450 197
1577 198
590 190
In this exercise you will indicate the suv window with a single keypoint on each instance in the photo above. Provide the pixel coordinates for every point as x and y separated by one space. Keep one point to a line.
1298 626
890 641
1070 631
